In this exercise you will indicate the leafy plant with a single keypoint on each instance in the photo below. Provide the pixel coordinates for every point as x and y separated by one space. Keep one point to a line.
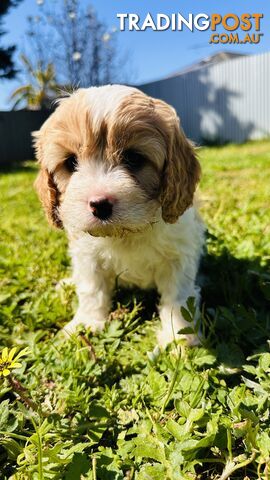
41 89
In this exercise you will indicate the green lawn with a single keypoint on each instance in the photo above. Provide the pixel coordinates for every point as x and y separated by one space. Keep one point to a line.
107 406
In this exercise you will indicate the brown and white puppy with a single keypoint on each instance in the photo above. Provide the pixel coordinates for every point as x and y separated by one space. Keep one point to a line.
118 174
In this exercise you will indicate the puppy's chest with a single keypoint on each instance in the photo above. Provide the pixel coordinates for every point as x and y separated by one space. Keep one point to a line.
133 264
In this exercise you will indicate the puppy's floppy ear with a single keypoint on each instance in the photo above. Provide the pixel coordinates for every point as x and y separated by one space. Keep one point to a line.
181 173
45 186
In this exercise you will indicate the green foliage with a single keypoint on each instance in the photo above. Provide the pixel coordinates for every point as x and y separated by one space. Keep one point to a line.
112 406
42 89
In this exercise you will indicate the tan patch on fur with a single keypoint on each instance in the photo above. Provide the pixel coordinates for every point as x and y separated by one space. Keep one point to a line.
181 175
149 180
69 128
137 124
48 194
153 124
67 131
140 122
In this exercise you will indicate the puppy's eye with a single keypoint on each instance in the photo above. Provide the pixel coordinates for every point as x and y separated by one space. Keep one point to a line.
71 163
133 160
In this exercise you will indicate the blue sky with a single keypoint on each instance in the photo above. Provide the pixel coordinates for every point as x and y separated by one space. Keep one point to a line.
154 54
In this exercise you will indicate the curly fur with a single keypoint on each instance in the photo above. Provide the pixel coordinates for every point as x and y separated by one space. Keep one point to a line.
155 235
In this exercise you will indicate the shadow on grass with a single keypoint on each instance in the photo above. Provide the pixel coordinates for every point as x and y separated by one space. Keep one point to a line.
147 299
28 166
235 296
235 302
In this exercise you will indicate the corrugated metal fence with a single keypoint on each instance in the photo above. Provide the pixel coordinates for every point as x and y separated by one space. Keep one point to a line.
227 102
15 134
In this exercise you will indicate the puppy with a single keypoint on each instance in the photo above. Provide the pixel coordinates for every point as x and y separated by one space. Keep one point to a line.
118 174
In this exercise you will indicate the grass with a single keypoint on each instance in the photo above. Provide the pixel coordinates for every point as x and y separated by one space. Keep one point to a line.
111 406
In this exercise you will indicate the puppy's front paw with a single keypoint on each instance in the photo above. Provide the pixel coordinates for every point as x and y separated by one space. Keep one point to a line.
84 320
166 336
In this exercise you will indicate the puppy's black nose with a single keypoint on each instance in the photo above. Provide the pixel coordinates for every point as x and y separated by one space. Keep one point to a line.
101 208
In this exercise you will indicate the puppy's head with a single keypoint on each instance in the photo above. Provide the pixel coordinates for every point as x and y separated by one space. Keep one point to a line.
111 160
